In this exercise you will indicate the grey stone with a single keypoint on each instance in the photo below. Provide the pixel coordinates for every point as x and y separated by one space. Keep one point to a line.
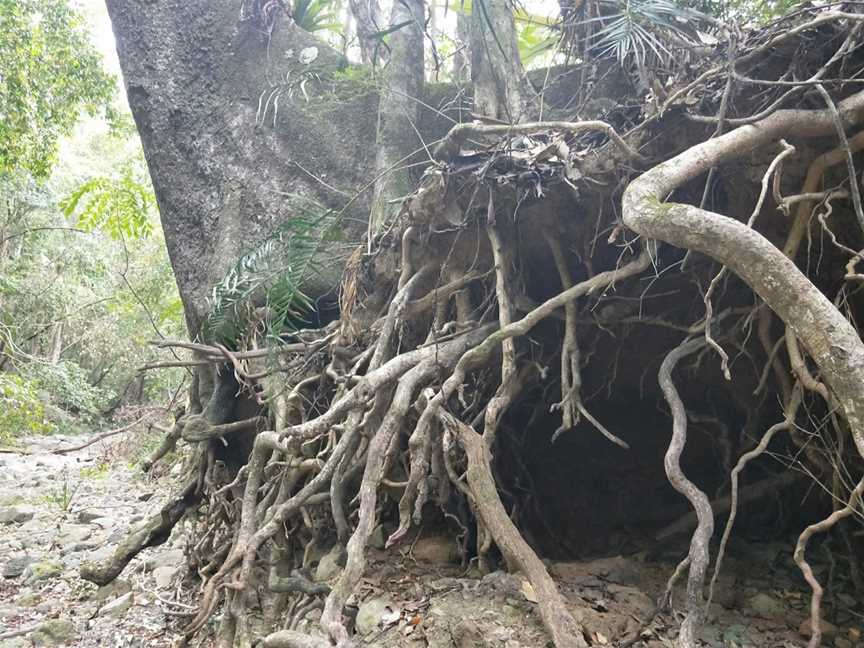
54 632
119 606
370 614
828 629
378 539
9 612
17 642
73 535
90 515
28 599
164 576
16 565
329 566
16 514
42 571
436 549
101 554
466 634
766 606
171 558
118 587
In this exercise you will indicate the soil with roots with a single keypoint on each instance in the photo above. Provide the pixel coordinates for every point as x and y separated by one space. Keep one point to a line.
531 372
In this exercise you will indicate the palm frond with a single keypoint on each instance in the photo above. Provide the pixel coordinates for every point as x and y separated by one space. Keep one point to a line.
272 276
636 28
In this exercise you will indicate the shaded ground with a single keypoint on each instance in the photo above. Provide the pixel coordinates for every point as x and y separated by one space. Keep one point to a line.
58 511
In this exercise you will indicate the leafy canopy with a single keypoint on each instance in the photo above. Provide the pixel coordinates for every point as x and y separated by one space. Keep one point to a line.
118 206
49 73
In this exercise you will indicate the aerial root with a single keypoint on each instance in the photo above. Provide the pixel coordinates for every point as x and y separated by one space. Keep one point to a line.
698 554
571 405
786 424
854 502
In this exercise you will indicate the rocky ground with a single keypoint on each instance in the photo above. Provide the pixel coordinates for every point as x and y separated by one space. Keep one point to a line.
57 511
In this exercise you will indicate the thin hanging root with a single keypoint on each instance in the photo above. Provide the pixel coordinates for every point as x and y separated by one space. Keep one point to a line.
800 560
507 390
565 631
571 404
699 500
775 166
747 457
571 377
478 355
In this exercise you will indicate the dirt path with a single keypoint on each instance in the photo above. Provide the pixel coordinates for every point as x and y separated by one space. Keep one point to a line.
57 511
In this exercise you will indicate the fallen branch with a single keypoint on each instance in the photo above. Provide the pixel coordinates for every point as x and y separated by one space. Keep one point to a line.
99 437
150 533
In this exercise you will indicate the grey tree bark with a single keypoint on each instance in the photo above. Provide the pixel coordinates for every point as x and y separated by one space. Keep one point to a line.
501 87
367 15
197 77
398 112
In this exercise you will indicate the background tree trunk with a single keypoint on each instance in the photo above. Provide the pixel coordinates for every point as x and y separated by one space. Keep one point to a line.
398 112
501 87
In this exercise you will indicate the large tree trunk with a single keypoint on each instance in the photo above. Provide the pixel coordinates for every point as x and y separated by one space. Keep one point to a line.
228 130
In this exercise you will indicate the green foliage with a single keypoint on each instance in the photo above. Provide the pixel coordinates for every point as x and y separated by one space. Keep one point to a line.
269 276
533 40
635 29
62 496
68 384
119 206
747 12
50 73
21 411
317 15
97 471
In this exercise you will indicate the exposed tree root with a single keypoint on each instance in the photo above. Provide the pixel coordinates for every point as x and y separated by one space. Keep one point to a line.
150 533
698 554
852 504
411 397
565 631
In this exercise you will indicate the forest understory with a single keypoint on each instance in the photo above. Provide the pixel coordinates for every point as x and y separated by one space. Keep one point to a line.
601 367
